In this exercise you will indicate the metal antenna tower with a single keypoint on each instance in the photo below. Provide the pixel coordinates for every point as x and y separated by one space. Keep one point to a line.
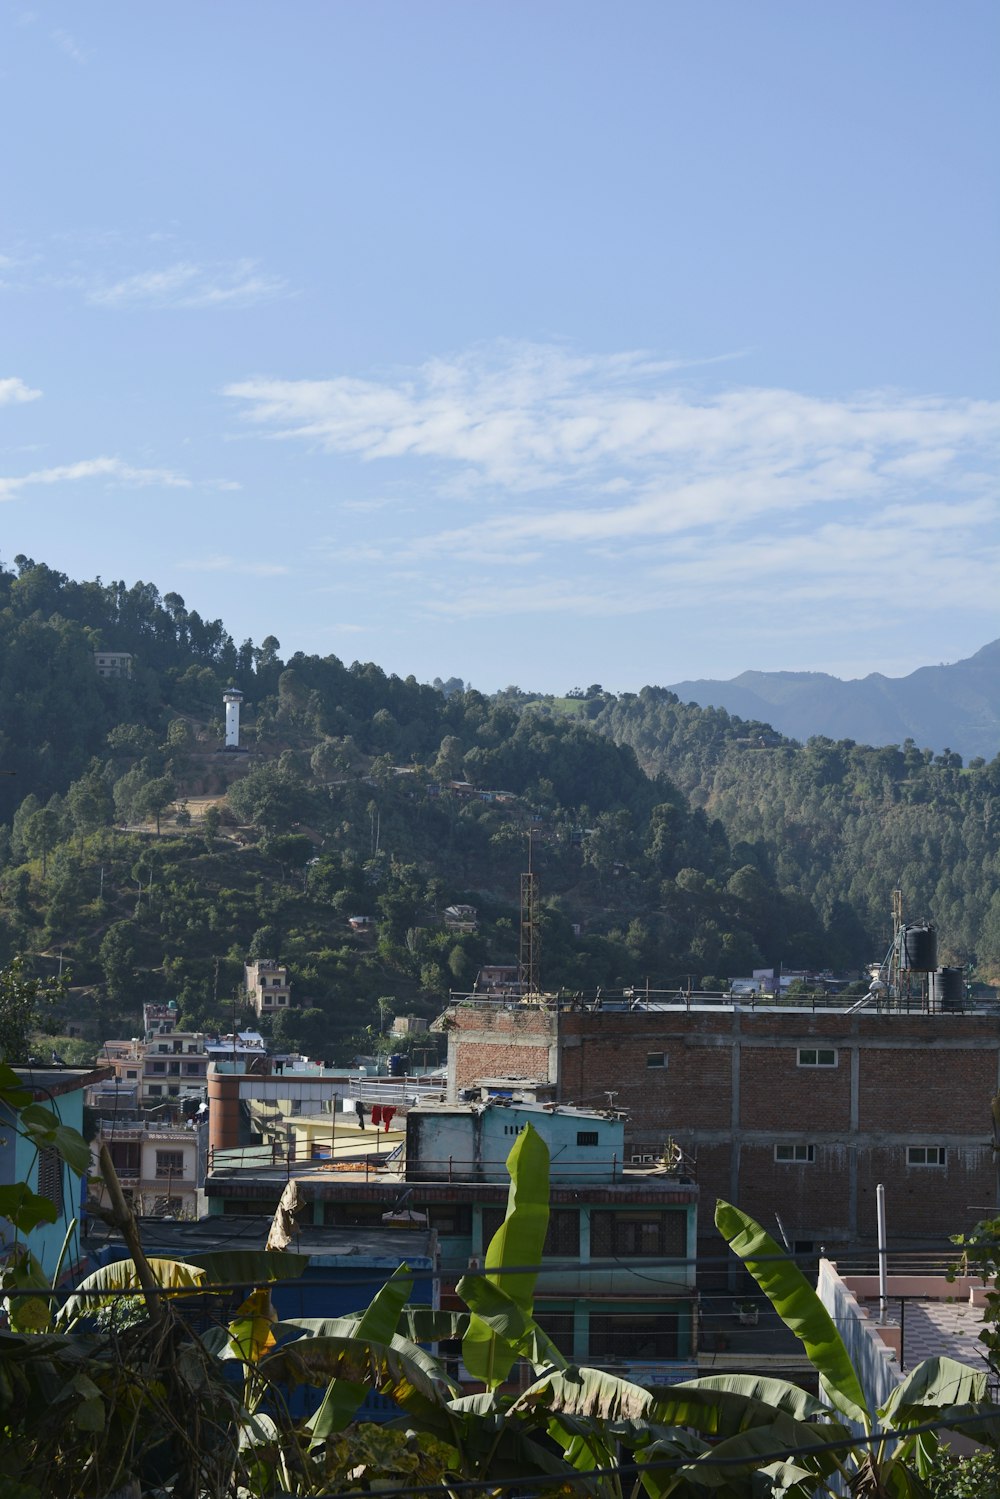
527 972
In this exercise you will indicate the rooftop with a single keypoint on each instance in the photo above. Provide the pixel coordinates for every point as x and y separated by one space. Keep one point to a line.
323 1245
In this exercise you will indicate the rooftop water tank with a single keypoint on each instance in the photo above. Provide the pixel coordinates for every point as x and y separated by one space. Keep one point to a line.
919 949
947 990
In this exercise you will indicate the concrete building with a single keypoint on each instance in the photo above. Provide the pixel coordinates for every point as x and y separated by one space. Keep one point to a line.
113 663
160 1166
173 1066
60 1090
618 1284
792 1111
267 985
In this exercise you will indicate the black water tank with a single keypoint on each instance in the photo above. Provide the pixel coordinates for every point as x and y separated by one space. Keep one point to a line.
397 1064
919 949
948 989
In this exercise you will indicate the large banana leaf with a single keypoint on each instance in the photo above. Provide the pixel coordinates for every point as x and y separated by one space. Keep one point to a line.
935 1383
378 1322
728 1465
513 1326
519 1240
249 1267
799 1307
588 1393
722 1405
367 1363
110 1281
422 1324
419 1324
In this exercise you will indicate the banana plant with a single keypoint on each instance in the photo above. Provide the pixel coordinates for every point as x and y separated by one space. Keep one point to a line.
795 1446
502 1324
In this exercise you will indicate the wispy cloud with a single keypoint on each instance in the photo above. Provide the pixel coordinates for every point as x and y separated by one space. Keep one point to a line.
186 284
13 392
621 483
224 564
113 470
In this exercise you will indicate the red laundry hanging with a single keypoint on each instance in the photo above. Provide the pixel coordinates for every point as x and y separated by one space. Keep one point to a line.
376 1113
387 1113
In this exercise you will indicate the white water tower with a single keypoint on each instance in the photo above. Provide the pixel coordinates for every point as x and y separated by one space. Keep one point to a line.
232 697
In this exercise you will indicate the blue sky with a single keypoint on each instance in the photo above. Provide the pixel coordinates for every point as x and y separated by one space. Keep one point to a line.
541 343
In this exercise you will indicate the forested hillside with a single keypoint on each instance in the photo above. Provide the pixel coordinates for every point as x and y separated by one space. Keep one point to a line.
671 842
151 864
840 823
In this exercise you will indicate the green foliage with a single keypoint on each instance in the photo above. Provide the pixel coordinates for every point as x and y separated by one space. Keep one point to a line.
491 1347
976 1476
23 1001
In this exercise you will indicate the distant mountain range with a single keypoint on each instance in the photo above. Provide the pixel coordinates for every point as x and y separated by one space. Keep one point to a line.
953 707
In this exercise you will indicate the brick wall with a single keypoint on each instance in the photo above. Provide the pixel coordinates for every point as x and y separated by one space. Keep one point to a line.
496 1040
733 1088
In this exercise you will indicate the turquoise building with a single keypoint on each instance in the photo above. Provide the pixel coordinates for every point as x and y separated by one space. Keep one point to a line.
61 1090
617 1285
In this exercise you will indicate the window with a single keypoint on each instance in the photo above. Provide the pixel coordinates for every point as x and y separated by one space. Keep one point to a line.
170 1163
131 1072
192 1068
50 1177
562 1239
821 1056
655 1059
158 1067
624 1334
641 1233
586 1137
558 1323
154 1090
799 1155
447 1217
926 1155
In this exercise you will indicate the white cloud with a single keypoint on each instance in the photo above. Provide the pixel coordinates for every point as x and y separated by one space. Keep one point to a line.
224 564
611 484
532 418
185 284
13 392
114 470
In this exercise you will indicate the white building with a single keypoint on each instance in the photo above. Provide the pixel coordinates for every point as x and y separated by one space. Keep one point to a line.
232 697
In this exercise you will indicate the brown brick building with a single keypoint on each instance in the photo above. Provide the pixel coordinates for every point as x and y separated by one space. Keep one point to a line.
791 1112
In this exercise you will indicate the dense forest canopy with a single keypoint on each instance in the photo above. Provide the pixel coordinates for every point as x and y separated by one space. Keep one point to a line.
672 843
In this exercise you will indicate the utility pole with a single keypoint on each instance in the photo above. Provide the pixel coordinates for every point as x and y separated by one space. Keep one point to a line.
528 964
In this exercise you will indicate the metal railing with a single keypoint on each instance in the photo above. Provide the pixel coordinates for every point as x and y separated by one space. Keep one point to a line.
643 1001
277 1157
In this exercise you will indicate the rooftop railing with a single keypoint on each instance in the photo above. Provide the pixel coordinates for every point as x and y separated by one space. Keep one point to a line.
643 1001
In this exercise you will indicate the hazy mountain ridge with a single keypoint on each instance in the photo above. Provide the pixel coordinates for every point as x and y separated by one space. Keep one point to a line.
954 706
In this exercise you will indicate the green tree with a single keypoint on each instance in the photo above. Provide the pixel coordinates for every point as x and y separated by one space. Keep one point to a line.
116 955
41 834
23 1001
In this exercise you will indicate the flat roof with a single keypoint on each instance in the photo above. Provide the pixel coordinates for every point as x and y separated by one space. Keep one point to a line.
42 1081
528 1106
323 1245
